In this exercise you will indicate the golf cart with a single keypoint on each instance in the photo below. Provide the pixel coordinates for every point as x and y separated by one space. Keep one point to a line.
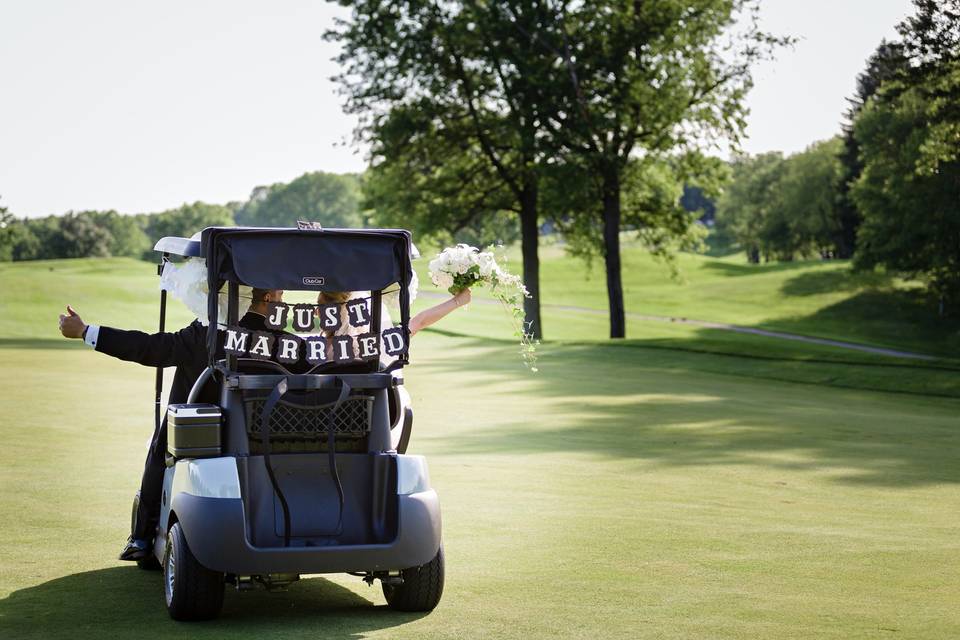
274 471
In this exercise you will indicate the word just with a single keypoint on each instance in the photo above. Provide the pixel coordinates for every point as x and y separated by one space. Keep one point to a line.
305 317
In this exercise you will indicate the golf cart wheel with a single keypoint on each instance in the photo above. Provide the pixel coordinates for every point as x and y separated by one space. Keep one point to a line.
192 591
421 589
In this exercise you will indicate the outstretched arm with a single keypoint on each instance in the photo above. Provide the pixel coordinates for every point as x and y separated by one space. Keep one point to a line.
428 316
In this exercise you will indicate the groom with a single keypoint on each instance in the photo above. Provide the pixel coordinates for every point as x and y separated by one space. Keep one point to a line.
186 350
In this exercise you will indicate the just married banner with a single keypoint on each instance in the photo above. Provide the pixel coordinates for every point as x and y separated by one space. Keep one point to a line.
334 343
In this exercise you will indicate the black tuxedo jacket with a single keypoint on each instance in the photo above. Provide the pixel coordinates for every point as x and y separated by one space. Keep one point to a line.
185 349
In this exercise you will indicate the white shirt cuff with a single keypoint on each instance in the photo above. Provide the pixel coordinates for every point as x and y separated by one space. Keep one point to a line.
91 335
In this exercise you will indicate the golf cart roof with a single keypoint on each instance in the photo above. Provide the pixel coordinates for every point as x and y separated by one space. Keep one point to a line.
307 259
191 247
186 247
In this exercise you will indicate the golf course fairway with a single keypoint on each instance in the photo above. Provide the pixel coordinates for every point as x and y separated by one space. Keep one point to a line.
620 492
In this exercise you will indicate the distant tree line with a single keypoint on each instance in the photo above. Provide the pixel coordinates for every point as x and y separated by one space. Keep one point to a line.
330 199
886 191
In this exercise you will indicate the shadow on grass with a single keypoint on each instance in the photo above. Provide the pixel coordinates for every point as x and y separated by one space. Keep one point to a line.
125 602
746 269
895 318
827 281
667 408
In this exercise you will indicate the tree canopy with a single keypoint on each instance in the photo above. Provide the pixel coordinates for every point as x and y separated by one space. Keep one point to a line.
328 198
540 89
909 136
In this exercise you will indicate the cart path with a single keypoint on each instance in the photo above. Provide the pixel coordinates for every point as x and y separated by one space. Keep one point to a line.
723 326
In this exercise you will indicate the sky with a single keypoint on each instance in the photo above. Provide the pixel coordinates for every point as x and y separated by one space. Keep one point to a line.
140 107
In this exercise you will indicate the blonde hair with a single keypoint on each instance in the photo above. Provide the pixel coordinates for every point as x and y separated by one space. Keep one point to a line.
338 297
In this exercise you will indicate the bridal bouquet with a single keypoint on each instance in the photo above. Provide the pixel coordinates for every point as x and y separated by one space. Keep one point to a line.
457 268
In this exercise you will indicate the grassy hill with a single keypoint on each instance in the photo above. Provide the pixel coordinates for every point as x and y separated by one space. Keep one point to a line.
815 298
650 488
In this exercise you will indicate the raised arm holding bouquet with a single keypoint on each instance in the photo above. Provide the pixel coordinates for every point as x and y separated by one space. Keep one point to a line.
458 268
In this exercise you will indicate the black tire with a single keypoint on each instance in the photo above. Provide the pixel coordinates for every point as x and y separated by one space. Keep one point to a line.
192 591
421 589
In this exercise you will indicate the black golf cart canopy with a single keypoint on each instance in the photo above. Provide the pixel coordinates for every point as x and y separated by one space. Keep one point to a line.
309 259
298 259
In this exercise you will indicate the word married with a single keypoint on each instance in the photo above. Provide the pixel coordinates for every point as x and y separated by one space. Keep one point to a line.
315 349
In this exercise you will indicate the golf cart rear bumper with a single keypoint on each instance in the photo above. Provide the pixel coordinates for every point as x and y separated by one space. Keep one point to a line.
216 534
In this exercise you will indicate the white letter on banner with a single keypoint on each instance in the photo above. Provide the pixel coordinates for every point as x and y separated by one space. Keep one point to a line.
303 317
358 310
289 352
236 341
262 345
393 343
343 348
316 349
277 315
331 316
369 346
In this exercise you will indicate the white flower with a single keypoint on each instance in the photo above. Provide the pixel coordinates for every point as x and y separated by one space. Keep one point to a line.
486 263
443 280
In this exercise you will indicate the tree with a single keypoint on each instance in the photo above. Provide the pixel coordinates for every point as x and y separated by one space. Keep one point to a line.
79 236
443 192
931 44
882 65
535 84
8 226
186 220
909 188
805 202
127 236
911 217
652 212
694 199
462 78
747 202
650 79
328 198
912 127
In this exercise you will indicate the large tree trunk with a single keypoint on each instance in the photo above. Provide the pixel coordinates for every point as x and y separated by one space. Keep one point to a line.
530 232
611 252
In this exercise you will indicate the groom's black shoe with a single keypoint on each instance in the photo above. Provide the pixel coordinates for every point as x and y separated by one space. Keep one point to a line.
135 549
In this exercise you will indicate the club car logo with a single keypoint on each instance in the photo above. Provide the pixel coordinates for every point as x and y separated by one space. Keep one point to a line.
312 280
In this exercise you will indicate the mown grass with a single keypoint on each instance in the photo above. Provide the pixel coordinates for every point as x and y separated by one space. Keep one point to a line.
652 489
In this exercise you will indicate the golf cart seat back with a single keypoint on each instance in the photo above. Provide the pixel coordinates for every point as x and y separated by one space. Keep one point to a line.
299 421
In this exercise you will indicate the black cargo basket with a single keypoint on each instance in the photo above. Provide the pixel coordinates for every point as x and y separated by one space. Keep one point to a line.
299 422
